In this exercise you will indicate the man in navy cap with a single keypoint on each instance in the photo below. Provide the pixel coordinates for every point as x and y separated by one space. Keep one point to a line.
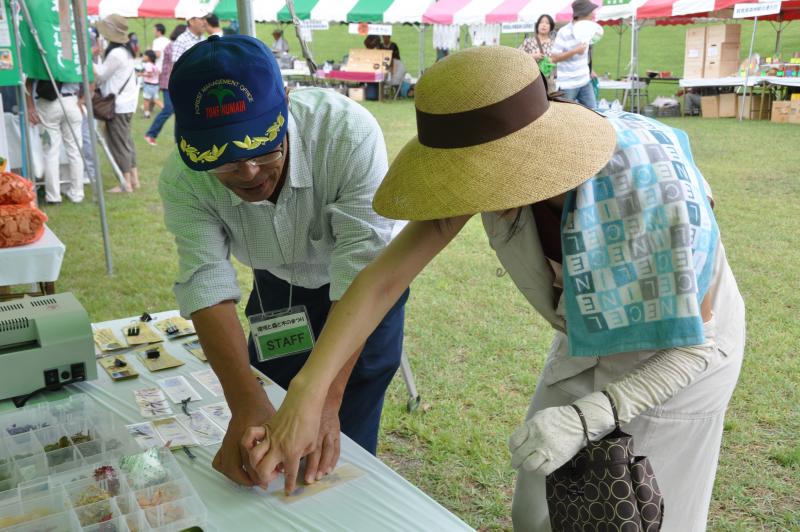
284 184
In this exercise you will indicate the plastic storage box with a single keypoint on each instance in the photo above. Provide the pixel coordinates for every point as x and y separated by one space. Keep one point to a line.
64 468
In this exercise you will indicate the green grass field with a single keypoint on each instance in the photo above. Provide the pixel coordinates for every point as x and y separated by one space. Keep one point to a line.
476 346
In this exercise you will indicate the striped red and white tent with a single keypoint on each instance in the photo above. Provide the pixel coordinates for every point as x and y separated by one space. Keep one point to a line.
381 11
497 11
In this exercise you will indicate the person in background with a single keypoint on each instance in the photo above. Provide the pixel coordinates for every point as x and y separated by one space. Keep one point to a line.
90 172
372 42
150 75
63 126
572 58
388 44
159 43
115 75
195 27
163 83
284 184
134 40
648 312
279 46
540 46
212 25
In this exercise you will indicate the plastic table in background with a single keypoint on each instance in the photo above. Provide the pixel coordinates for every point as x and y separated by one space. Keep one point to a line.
379 500
39 262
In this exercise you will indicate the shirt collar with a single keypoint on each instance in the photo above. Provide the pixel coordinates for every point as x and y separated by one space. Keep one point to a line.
298 175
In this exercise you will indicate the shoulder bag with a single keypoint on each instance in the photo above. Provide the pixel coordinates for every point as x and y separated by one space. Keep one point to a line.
605 487
103 106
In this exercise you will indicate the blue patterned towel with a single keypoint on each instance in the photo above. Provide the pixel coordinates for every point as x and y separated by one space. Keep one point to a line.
638 241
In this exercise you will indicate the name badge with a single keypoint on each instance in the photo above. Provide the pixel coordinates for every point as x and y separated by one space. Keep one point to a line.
281 333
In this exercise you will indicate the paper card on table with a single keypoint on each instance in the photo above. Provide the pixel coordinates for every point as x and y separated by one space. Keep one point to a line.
202 428
118 367
193 346
146 334
152 402
209 380
107 340
342 474
178 389
163 361
173 433
175 327
145 435
219 414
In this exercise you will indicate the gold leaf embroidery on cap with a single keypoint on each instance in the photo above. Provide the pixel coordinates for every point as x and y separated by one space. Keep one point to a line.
251 143
208 156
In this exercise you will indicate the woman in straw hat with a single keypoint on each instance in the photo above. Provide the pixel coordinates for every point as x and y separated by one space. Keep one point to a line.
115 75
605 224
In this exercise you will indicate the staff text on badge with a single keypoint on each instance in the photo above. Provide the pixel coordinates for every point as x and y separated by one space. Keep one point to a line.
281 334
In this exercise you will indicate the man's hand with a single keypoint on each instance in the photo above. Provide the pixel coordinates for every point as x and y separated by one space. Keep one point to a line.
33 115
581 48
323 459
232 458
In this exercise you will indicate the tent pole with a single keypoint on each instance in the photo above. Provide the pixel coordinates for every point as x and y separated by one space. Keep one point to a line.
79 13
244 9
619 47
747 70
421 29
27 159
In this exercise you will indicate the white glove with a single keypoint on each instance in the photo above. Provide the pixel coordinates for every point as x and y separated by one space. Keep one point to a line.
552 436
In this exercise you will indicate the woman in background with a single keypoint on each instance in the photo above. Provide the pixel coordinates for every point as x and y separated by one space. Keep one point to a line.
540 45
115 75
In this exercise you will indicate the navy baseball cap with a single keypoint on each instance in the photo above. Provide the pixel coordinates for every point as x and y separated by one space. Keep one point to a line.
229 101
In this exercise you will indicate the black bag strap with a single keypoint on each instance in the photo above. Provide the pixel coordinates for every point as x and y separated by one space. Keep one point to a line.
583 422
126 81
613 408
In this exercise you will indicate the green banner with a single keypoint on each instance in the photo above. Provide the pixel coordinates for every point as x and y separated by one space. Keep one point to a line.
54 23
9 70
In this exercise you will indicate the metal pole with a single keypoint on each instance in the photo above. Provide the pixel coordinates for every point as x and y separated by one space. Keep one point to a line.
247 26
27 158
79 14
747 69
619 46
421 28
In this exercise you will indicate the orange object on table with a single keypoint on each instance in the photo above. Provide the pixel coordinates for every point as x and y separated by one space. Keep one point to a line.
15 190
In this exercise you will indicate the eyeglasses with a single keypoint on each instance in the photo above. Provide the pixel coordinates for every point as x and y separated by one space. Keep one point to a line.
267 159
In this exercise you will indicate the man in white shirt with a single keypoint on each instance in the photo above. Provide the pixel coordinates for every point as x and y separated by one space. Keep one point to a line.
212 25
571 57
285 184
159 43
280 46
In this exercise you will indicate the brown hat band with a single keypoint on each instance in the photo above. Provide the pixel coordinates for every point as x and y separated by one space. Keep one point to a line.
485 124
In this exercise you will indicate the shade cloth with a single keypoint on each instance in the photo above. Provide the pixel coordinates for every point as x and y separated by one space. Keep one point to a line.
39 262
379 500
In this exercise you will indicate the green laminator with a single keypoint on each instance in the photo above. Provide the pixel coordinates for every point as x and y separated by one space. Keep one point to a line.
44 342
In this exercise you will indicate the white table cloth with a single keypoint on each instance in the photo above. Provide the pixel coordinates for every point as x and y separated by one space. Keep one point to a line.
39 262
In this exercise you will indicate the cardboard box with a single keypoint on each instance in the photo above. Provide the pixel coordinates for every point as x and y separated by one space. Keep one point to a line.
721 69
780 112
695 54
366 60
727 105
709 106
356 94
753 107
794 113
722 33
722 52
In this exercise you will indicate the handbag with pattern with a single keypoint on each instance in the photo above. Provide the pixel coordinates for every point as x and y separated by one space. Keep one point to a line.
605 487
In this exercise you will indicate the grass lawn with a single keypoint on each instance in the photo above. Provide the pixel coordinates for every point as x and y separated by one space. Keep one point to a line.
476 346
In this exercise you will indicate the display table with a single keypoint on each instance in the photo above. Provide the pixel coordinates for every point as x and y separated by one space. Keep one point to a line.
39 262
620 85
734 81
782 81
379 500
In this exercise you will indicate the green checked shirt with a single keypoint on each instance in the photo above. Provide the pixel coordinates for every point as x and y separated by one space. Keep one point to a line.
337 159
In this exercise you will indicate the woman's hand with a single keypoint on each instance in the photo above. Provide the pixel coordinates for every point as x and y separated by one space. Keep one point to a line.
289 436
537 56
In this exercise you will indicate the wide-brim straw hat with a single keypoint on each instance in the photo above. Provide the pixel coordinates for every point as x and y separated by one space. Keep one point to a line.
114 28
490 140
